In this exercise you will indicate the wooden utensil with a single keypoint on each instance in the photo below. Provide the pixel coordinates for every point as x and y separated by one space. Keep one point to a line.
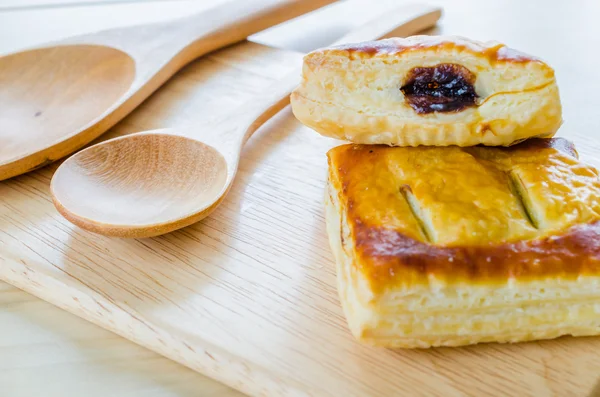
152 183
58 98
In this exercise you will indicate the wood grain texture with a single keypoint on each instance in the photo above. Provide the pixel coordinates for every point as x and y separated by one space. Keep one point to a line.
252 288
45 351
49 92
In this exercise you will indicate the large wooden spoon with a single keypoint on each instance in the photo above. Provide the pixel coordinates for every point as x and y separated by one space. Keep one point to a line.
56 99
151 183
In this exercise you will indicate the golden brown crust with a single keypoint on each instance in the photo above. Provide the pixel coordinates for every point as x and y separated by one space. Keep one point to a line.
493 51
468 224
391 254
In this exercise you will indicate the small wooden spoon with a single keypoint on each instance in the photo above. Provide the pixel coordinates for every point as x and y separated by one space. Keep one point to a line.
56 99
151 183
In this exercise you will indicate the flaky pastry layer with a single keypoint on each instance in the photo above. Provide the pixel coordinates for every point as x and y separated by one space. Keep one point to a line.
354 92
465 289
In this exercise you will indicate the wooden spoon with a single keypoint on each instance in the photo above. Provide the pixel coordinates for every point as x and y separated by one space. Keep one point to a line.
56 99
151 183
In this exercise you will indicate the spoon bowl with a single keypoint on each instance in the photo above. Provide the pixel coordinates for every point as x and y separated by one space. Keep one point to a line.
35 99
140 186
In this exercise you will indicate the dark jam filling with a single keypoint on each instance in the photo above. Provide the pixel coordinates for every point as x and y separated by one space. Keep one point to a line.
443 88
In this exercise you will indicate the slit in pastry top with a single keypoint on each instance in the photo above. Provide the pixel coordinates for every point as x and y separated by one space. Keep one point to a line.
427 90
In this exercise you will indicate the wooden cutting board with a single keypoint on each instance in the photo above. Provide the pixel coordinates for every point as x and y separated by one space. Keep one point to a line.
248 296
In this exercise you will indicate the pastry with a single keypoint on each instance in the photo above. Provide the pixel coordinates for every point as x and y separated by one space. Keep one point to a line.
453 246
427 90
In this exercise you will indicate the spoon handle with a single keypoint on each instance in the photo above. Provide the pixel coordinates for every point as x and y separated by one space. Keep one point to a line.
235 20
182 40
402 21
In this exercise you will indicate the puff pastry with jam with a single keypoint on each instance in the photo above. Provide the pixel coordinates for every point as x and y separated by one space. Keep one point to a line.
454 246
427 90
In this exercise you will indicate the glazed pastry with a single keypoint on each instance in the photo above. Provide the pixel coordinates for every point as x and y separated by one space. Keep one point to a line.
454 246
427 90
